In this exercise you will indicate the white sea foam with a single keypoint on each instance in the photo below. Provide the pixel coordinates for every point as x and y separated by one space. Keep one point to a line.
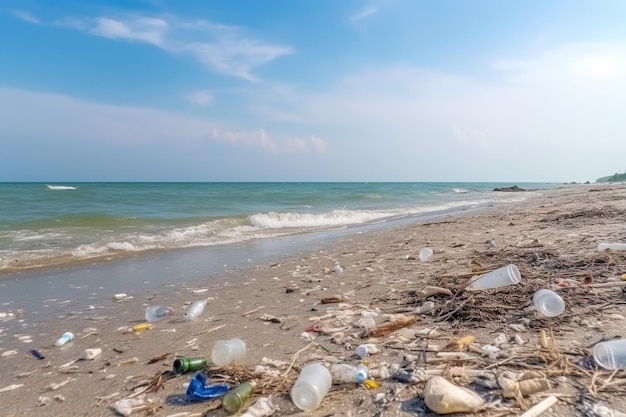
460 190
60 187
333 218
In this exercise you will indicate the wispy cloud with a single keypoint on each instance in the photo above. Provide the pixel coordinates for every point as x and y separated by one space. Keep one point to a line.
220 48
144 29
200 98
363 13
129 126
26 16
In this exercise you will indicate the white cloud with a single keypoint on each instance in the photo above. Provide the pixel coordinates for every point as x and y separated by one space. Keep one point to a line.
363 13
301 145
258 138
124 127
220 48
143 29
26 16
235 56
200 98
560 112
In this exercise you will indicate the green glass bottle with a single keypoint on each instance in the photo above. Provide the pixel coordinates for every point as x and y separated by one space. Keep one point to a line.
183 365
236 397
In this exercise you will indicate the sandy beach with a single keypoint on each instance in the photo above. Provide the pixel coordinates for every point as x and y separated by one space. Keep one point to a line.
297 310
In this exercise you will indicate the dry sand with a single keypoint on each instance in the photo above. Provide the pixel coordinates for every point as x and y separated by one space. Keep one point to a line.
552 239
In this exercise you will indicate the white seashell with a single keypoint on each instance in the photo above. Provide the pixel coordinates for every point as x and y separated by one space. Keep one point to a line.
443 397
195 309
90 354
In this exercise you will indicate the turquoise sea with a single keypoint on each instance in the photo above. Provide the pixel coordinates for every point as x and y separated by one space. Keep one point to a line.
45 225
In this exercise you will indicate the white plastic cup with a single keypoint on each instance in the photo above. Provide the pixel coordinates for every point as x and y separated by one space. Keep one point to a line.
228 351
611 354
507 275
361 351
311 387
425 254
548 303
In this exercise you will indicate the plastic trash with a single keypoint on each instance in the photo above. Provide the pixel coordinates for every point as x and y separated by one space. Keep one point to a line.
183 365
199 391
195 309
311 387
443 397
141 327
67 337
548 303
236 398
228 351
611 354
425 254
36 354
611 246
507 275
91 354
156 313
263 407
344 373
361 351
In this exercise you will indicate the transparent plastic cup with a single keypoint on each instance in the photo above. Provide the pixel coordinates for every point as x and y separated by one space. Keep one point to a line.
228 351
507 275
311 387
425 254
548 303
611 354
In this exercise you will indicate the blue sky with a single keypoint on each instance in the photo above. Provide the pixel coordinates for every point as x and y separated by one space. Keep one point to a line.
324 90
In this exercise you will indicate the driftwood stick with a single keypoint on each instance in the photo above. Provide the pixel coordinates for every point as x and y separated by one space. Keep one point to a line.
541 407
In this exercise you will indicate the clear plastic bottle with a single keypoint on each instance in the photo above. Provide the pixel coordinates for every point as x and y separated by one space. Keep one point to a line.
548 303
195 309
345 373
311 387
236 397
611 354
228 351
156 313
66 337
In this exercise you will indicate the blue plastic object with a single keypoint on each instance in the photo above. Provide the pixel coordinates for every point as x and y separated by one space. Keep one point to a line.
199 391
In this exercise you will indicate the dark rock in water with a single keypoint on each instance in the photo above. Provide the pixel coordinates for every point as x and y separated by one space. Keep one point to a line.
514 188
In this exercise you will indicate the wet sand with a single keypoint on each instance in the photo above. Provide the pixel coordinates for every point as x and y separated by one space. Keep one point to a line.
552 239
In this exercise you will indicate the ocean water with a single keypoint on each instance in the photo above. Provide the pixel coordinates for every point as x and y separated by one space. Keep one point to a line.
46 225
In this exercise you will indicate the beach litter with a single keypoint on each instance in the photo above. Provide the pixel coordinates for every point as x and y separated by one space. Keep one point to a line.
157 313
194 310
443 397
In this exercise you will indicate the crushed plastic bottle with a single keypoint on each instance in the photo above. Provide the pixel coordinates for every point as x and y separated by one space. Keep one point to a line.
345 373
199 391
195 309
235 398
156 313
66 337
